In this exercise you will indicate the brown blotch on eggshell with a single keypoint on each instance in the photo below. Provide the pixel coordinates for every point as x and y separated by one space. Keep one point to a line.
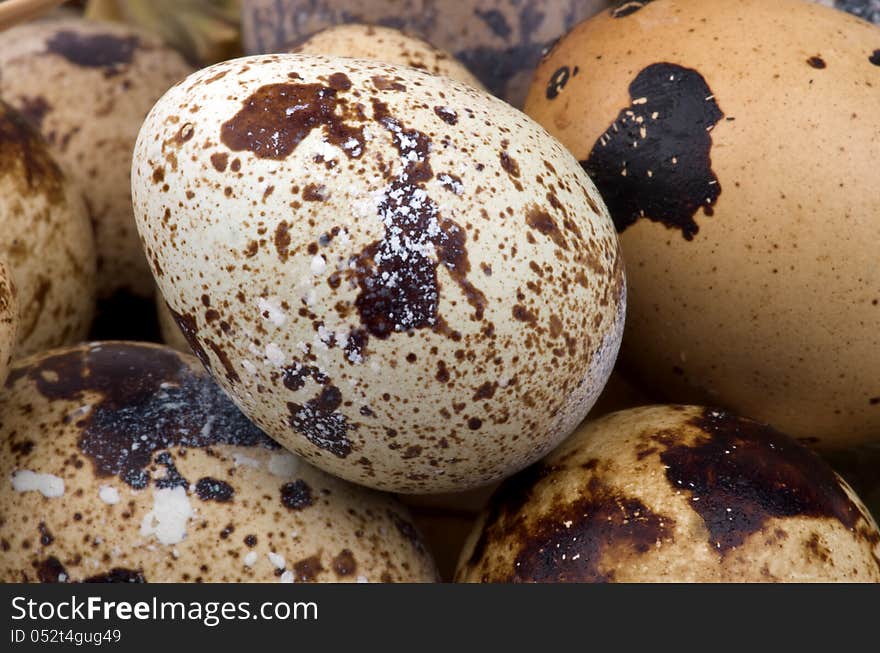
8 319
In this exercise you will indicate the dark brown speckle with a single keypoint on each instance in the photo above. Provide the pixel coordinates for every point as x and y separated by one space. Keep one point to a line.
296 495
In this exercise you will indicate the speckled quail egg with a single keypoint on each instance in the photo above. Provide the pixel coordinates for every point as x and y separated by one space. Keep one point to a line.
126 462
675 494
385 44
400 277
45 239
8 319
500 41
736 149
87 87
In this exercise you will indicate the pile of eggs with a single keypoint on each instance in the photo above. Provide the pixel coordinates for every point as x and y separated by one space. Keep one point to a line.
392 303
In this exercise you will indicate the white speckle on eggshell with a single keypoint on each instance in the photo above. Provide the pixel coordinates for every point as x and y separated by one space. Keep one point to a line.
170 514
277 561
318 265
108 494
241 459
284 465
272 311
49 485
274 354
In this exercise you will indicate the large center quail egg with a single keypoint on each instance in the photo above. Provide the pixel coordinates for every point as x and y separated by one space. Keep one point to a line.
403 279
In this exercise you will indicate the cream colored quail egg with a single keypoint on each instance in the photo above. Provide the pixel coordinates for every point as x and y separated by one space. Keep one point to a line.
87 86
402 278
45 239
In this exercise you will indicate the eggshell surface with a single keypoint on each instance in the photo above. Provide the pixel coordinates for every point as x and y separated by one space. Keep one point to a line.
736 150
398 276
125 462
45 239
675 494
616 395
8 320
385 44
500 41
86 86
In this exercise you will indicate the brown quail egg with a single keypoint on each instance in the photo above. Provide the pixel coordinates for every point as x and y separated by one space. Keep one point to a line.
126 462
675 494
401 278
385 44
8 320
736 148
45 239
87 87
500 41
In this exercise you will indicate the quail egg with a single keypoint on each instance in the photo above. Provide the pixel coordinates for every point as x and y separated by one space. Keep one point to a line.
402 278
124 462
675 494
